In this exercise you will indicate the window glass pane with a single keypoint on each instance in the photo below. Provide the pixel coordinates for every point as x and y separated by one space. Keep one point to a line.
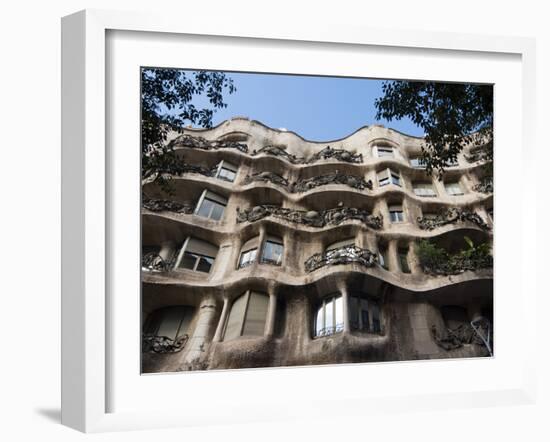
384 182
205 264
236 318
319 323
418 163
273 253
354 313
170 323
395 179
217 212
248 257
188 261
339 314
205 208
385 151
382 258
329 317
255 315
365 315
227 174
453 189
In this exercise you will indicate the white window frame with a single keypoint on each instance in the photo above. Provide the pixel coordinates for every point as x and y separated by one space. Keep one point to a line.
424 187
454 183
390 175
182 253
389 151
204 196
336 327
223 165
391 209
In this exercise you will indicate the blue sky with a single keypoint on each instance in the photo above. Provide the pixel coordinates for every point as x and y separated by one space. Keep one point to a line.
317 108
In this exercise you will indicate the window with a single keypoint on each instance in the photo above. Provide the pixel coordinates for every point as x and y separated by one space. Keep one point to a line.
404 260
226 171
388 176
417 163
248 315
169 322
383 257
211 206
423 189
272 251
451 163
396 213
454 189
330 317
384 151
248 257
490 213
364 313
197 255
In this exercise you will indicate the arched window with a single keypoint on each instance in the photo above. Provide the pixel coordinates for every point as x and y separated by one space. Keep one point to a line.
169 322
249 252
364 313
329 318
248 315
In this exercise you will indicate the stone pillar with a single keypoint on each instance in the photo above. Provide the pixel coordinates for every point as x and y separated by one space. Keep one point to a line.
221 322
261 240
393 260
198 342
167 250
271 313
414 264
345 306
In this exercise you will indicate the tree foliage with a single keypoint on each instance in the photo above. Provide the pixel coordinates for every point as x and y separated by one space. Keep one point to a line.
452 115
168 98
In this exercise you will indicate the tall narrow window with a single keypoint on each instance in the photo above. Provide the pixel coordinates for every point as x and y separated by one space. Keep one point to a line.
404 260
396 213
364 313
383 256
197 255
211 206
249 252
388 176
272 252
454 189
247 316
424 189
226 171
329 318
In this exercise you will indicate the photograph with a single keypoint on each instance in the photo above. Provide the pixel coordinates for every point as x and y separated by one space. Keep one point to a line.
302 220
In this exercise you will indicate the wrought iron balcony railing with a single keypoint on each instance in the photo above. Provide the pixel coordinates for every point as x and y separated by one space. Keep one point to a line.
310 218
162 344
343 255
450 216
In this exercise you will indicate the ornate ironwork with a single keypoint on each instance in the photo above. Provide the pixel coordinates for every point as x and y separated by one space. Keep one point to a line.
476 332
338 154
310 218
162 205
449 216
153 262
162 344
353 181
279 152
343 255
269 177
194 142
485 186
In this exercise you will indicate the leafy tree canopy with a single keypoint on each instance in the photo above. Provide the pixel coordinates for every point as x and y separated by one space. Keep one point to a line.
167 102
452 115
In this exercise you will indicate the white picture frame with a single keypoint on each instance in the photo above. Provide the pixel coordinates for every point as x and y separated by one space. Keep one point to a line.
87 209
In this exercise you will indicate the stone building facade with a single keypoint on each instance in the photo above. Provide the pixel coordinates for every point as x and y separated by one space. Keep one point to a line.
271 250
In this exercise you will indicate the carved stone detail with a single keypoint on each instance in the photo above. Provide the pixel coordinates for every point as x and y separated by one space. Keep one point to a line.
449 216
268 177
485 186
161 205
310 218
279 152
338 154
153 262
477 332
162 344
343 255
194 142
353 181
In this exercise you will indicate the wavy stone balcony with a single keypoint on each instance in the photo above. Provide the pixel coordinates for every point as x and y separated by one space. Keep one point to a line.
310 218
452 216
343 255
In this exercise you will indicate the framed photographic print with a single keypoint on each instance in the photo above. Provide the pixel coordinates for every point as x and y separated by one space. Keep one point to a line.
288 217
